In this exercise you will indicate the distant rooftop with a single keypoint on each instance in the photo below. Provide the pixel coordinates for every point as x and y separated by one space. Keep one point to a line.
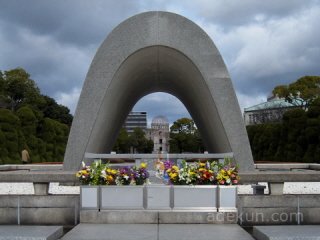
275 102
160 120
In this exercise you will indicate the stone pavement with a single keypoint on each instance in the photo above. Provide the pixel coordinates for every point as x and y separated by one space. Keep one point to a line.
157 232
288 232
16 232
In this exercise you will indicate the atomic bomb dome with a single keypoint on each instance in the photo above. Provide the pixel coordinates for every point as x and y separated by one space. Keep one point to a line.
160 120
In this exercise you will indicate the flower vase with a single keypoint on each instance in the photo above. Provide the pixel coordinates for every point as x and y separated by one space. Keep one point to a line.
122 197
195 197
158 197
89 197
228 198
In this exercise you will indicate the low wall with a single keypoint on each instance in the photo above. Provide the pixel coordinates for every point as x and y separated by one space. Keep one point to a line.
39 210
278 209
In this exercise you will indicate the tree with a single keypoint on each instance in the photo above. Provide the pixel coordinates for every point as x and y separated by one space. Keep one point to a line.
139 142
29 119
183 125
19 88
185 137
51 109
301 92
122 142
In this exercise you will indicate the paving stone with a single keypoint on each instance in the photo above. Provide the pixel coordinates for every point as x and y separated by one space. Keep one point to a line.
288 232
159 232
11 232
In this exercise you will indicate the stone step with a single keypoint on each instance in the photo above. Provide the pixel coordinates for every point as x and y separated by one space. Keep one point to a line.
287 232
14 232
157 232
157 217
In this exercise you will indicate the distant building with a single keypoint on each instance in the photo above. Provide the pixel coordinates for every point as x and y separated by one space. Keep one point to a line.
159 134
270 111
136 120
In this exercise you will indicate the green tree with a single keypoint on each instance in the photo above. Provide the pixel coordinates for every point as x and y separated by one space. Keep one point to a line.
139 142
122 142
12 137
19 88
51 109
29 119
301 92
184 137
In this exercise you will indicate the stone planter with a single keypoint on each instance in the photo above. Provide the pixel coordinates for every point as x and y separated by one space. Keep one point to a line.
89 197
158 197
202 197
121 197
228 198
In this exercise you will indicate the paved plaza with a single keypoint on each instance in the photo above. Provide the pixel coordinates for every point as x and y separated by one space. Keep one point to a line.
157 232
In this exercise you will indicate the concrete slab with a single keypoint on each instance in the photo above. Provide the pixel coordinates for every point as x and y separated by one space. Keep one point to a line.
202 232
288 232
159 232
113 231
10 232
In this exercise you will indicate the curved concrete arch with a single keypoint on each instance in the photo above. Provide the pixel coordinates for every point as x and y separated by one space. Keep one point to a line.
157 52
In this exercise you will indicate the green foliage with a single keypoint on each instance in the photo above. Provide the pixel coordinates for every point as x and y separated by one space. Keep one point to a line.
185 137
18 88
122 142
30 120
139 142
296 139
55 111
136 140
307 88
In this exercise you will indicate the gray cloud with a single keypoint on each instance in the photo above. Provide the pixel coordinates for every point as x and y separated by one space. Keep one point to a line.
264 43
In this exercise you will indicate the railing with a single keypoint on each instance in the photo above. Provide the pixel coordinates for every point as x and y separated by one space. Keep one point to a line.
275 179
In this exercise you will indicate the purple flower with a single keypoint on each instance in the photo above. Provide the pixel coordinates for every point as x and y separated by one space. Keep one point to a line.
168 164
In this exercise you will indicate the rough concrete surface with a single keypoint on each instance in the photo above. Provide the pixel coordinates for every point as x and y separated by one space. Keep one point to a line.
286 232
159 232
30 232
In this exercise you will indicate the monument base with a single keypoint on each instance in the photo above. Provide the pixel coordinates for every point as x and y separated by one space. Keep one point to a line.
157 217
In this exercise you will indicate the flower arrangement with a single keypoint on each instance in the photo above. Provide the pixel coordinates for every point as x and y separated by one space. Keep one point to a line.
199 173
84 174
109 175
140 174
102 174
228 174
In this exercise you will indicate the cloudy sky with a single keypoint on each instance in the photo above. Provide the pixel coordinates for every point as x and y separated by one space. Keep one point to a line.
263 43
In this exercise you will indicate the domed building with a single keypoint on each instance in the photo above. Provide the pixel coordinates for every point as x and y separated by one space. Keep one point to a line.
159 134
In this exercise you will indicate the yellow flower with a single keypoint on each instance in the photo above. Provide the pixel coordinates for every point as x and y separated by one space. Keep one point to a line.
78 174
114 171
173 175
229 172
202 164
175 168
143 165
223 171
84 172
109 178
202 169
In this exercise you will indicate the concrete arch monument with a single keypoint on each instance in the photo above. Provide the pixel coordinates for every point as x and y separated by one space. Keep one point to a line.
157 52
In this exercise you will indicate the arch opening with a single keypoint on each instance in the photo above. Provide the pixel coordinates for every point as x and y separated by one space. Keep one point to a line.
158 69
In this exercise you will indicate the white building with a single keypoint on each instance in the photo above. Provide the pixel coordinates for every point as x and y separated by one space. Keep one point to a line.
159 133
270 111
